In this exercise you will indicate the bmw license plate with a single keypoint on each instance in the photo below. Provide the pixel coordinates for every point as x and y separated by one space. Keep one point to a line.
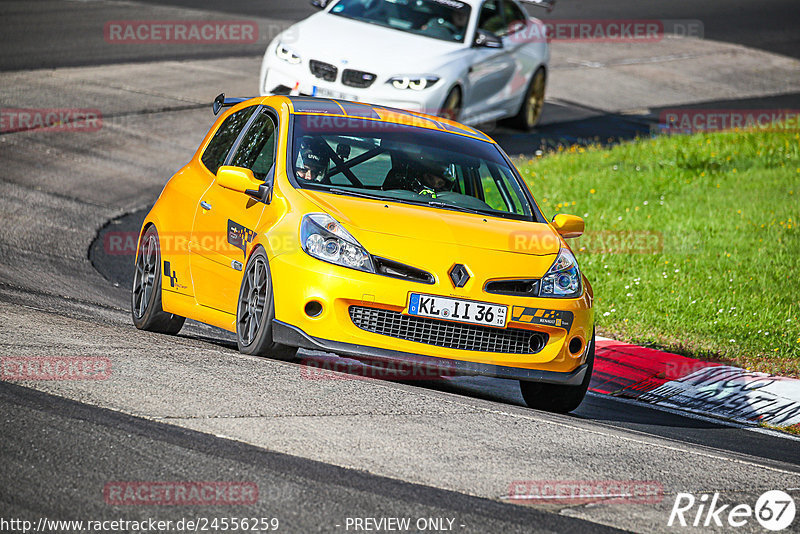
465 311
329 93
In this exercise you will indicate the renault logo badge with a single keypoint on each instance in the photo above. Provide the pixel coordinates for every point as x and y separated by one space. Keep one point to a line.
459 275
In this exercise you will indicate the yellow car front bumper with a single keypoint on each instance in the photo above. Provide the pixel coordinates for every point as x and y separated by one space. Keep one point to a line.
340 296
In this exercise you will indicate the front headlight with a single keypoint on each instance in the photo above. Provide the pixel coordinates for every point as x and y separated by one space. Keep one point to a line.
563 279
417 83
324 238
287 55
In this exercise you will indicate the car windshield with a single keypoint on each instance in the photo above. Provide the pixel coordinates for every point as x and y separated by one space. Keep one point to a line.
403 163
441 19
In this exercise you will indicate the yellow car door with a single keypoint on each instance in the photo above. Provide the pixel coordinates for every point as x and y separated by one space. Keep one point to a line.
225 221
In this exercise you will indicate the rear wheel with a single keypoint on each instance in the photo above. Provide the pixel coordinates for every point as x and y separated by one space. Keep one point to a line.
555 397
531 110
256 310
146 307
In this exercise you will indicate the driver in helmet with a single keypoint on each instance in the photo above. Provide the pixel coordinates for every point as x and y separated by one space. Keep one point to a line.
313 160
451 28
434 175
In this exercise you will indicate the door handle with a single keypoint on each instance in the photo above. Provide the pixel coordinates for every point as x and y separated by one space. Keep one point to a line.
205 205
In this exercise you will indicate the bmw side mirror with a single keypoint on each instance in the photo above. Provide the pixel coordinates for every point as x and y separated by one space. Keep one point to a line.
486 39
319 4
547 4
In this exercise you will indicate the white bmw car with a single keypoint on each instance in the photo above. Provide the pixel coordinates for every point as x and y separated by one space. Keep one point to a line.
474 61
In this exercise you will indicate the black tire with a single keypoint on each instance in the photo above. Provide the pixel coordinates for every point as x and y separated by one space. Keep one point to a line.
255 311
451 108
146 309
557 398
531 109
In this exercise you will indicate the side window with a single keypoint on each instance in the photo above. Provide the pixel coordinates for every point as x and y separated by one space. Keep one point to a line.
491 18
257 149
217 150
516 19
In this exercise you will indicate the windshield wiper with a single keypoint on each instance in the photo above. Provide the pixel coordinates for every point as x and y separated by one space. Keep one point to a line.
455 207
359 194
432 203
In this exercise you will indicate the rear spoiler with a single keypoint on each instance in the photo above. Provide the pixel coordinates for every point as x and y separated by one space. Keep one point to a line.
222 102
547 4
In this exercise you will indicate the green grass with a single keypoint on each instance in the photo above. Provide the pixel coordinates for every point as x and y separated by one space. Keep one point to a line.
793 429
721 211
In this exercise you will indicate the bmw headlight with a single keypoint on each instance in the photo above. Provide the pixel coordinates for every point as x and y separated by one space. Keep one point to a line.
287 55
325 239
563 279
417 83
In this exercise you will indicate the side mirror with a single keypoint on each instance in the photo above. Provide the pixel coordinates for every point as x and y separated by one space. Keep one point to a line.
486 39
242 180
547 4
319 4
568 225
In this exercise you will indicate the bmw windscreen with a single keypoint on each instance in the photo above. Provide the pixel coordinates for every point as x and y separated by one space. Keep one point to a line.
441 19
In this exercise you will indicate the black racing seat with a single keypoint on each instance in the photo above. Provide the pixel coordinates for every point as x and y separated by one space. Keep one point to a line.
396 179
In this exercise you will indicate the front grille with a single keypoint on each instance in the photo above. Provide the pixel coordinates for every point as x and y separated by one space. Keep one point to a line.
281 90
323 70
357 78
448 334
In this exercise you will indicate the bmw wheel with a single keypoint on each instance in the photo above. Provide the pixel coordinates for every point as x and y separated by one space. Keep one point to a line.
256 310
146 307
531 110
451 108
557 398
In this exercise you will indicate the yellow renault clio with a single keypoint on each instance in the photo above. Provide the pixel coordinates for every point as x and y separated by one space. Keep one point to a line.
372 233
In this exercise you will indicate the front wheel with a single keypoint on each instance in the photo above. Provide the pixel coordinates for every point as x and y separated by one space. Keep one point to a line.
256 310
146 307
451 108
531 109
555 397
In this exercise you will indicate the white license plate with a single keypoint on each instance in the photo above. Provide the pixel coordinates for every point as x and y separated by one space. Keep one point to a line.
321 91
465 311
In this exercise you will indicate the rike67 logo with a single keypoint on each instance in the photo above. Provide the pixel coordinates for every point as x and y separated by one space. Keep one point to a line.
774 510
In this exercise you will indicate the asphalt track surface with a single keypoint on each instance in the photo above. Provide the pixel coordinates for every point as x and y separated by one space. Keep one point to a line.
59 446
57 453
51 33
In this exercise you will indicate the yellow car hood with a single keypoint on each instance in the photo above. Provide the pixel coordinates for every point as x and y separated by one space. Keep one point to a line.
434 225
